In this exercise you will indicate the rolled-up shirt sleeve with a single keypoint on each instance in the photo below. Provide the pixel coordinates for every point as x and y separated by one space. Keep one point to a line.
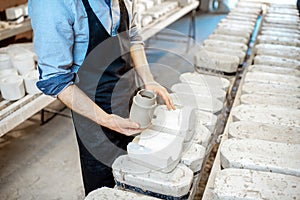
135 28
53 40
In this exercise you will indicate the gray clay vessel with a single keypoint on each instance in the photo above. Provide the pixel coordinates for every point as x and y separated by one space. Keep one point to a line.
143 107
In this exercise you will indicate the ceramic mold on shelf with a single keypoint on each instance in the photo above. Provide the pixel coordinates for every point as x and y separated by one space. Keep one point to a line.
261 155
271 99
12 87
198 90
229 38
23 62
284 51
7 72
193 156
276 61
180 121
13 13
267 39
207 119
274 70
157 150
265 88
229 45
105 193
217 61
270 78
173 185
202 135
202 103
261 131
205 80
239 53
267 114
251 184
5 62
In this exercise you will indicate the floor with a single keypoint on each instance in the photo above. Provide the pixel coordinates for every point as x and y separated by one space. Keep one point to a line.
41 162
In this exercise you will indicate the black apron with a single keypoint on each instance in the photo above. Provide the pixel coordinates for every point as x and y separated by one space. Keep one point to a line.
106 77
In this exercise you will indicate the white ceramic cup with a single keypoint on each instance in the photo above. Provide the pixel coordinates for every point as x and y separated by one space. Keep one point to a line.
5 62
7 72
30 80
12 87
23 62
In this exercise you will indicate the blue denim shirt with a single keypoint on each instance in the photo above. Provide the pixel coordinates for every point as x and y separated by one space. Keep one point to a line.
61 36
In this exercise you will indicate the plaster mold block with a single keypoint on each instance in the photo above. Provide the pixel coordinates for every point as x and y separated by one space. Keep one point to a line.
270 78
205 80
237 21
271 99
239 53
266 39
280 34
198 90
177 183
274 70
207 119
265 88
5 62
217 61
276 61
228 38
23 62
278 50
156 149
249 184
267 114
202 135
281 20
261 155
180 121
105 193
229 45
288 28
207 104
261 131
193 157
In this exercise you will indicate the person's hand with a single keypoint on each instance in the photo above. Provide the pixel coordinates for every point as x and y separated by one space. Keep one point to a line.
121 125
161 91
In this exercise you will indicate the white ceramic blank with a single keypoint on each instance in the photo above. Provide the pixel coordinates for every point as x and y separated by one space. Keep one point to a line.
23 62
12 87
30 80
5 62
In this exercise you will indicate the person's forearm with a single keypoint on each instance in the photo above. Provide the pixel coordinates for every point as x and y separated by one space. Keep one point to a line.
140 63
79 102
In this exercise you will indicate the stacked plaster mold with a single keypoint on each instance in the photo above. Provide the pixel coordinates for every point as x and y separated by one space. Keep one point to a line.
260 151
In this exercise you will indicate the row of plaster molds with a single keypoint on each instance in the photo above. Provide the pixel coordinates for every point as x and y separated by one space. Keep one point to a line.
229 45
243 184
261 155
261 131
105 193
274 70
267 114
205 80
280 10
193 156
245 28
198 90
156 150
281 20
283 51
217 61
207 104
180 121
239 53
267 39
270 78
176 183
265 88
233 31
230 38
271 99
276 61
